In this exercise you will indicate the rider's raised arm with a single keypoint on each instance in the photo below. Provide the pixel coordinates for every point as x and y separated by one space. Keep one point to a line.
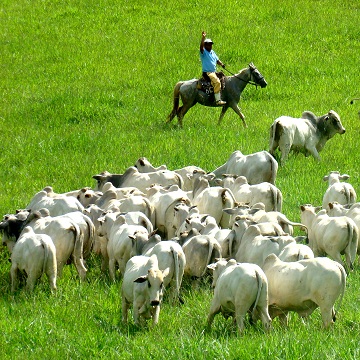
203 36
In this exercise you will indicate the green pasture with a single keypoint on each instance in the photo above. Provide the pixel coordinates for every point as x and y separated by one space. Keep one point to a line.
86 86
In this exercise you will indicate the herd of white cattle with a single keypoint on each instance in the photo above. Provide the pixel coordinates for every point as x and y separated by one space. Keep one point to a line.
153 226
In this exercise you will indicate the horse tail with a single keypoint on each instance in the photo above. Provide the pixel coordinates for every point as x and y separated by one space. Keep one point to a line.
176 101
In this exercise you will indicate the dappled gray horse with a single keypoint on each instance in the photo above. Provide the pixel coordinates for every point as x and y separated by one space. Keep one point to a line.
234 85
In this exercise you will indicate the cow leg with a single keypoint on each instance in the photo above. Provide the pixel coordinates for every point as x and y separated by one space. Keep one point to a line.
215 308
240 317
314 153
156 315
80 268
284 319
327 316
236 108
125 308
112 263
31 280
14 277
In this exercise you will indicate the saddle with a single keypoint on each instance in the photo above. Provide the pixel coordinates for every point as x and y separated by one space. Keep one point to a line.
204 83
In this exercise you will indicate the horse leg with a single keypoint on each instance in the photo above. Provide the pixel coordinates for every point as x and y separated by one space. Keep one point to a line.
223 111
182 111
238 111
171 115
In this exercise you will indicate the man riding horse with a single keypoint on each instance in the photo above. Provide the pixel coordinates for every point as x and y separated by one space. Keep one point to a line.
209 60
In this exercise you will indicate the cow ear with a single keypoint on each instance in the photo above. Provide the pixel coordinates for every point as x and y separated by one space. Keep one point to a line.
141 279
326 178
211 266
344 177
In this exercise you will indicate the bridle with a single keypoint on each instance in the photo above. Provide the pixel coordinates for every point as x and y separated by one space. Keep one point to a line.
246 81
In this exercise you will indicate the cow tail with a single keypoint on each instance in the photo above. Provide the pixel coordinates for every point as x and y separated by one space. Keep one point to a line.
78 248
177 279
180 181
46 255
352 246
211 248
278 200
259 288
272 137
343 286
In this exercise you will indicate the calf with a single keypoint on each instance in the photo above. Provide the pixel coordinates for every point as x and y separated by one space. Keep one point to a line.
143 286
303 286
308 134
239 288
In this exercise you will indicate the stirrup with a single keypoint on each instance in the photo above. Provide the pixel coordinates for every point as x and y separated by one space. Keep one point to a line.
220 103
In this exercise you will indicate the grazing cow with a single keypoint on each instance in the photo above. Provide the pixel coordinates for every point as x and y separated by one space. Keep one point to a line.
58 205
307 135
200 251
255 247
341 192
295 252
265 192
132 177
303 286
257 168
35 254
239 288
331 236
143 286
171 258
64 232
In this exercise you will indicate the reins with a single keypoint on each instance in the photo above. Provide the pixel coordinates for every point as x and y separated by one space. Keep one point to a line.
248 82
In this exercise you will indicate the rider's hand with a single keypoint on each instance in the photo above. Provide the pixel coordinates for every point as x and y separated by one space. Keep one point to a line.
203 34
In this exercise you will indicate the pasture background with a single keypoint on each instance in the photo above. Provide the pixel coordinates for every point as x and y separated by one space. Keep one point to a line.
86 86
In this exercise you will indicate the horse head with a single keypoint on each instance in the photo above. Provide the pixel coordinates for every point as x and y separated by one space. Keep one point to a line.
256 76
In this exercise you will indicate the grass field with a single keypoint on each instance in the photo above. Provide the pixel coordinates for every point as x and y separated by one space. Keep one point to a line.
86 86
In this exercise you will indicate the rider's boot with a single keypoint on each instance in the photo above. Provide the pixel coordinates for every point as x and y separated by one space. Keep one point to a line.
218 101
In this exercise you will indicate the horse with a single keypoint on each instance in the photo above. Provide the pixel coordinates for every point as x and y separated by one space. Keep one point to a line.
190 94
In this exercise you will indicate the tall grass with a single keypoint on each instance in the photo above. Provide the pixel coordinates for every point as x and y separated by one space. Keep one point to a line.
86 86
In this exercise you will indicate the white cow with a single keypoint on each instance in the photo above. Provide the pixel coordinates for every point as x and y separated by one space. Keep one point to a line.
295 252
239 228
164 201
212 200
257 168
258 214
35 254
255 247
303 286
132 177
171 258
264 192
331 236
144 166
116 231
200 251
58 205
307 134
143 287
239 289
341 192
